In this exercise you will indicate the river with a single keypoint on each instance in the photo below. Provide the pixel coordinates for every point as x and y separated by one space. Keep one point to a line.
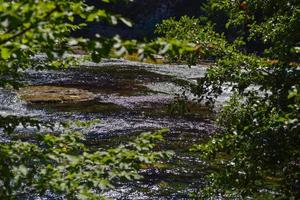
130 98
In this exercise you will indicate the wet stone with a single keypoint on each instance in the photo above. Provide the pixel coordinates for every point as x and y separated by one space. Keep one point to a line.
55 94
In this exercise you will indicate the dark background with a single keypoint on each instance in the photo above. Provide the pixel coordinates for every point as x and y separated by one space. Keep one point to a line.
144 14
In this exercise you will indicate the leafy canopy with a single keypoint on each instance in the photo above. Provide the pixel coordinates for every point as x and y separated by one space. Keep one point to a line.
255 57
257 150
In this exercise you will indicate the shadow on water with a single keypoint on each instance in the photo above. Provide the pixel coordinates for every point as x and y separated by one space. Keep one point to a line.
130 99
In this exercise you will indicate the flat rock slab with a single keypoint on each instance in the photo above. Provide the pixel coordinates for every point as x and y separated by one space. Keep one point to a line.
54 94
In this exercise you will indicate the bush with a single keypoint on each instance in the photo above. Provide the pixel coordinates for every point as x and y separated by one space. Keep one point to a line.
256 153
207 43
65 166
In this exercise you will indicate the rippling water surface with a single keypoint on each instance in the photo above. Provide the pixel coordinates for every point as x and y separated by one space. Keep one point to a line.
130 98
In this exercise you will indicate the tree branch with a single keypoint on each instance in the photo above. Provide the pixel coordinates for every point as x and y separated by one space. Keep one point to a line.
27 29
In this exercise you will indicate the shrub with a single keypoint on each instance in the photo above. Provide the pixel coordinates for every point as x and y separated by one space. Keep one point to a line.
256 153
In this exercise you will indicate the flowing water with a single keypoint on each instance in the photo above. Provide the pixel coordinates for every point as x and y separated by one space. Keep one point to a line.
130 98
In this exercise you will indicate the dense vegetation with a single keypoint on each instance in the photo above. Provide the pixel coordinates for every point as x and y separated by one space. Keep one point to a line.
256 152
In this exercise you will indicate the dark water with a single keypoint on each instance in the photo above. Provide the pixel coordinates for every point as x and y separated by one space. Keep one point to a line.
130 98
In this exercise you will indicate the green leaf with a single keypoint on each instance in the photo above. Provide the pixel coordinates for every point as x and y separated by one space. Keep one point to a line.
5 53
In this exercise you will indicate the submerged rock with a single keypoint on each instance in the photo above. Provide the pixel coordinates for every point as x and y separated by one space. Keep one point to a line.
55 94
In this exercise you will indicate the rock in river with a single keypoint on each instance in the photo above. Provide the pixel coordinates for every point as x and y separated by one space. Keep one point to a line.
55 94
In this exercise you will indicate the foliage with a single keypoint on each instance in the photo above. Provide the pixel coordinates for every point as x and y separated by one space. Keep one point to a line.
183 29
10 123
31 30
37 34
256 155
263 24
30 27
66 166
170 47
206 42
257 151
